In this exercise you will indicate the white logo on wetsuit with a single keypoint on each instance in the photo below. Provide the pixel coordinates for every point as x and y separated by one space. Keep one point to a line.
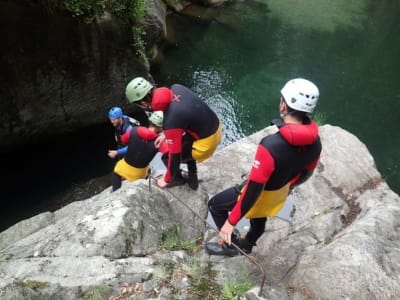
169 141
256 164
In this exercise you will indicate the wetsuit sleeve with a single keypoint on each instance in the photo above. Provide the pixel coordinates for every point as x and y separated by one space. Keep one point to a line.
304 174
163 147
173 138
122 151
129 128
146 134
125 137
263 166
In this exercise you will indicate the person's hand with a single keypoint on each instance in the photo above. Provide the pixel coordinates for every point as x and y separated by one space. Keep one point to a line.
161 182
112 153
226 232
159 140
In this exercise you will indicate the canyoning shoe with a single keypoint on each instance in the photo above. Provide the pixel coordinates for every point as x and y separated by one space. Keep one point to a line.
214 248
192 181
242 243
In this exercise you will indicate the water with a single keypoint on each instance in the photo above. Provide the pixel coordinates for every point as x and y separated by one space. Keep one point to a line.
241 59
238 62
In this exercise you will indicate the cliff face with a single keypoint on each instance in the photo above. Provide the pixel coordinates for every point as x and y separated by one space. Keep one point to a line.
145 242
59 74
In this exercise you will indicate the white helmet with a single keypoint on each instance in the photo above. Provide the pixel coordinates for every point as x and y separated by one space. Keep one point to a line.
300 94
157 118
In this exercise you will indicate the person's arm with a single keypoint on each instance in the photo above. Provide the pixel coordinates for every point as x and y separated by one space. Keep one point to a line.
263 166
146 134
125 137
174 140
122 151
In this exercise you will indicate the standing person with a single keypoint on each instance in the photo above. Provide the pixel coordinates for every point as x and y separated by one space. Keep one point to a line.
141 149
192 130
122 124
282 161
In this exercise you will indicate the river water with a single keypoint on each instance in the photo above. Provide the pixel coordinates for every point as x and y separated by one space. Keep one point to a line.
241 59
237 58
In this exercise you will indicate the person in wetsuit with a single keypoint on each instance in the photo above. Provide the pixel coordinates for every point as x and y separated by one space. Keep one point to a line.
141 149
192 129
282 161
122 123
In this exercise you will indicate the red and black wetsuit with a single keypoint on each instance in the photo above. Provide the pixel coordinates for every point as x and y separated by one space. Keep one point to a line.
140 151
141 148
290 155
186 117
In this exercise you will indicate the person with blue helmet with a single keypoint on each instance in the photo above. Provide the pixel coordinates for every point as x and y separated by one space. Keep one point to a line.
122 123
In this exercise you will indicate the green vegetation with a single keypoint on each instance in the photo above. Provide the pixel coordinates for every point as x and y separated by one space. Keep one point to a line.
34 284
131 12
235 284
172 240
202 281
96 294
319 118
230 291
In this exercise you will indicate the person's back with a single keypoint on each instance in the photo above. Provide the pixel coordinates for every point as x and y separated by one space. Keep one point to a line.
282 161
141 149
292 148
190 113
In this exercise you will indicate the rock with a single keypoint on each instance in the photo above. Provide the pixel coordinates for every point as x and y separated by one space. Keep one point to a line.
143 242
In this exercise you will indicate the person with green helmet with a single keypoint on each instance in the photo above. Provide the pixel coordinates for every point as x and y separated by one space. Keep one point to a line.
121 123
283 160
141 149
191 128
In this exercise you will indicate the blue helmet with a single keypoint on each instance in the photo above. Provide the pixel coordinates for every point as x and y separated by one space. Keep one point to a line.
115 112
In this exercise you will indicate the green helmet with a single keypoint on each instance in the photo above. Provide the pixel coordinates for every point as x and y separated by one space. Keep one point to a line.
137 89
157 118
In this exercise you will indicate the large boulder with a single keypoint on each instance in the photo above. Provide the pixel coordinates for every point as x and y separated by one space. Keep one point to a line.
145 242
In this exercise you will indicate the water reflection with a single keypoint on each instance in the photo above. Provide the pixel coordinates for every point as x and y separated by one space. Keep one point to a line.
209 86
241 59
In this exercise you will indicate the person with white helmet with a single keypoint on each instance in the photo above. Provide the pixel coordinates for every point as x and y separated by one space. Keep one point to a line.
122 123
141 149
282 161
192 129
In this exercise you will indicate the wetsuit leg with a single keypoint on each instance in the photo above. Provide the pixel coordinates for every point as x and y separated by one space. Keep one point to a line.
257 227
192 179
187 144
116 181
164 159
221 204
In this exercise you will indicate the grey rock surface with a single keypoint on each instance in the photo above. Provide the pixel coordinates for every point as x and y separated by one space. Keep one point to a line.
343 242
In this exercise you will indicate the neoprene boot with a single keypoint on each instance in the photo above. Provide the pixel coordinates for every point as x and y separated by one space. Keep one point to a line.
229 250
192 179
177 180
243 244
214 248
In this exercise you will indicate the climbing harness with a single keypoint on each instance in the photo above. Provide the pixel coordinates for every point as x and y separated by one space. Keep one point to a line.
151 177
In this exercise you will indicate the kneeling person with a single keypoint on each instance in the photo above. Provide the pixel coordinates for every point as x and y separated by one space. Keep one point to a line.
140 152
